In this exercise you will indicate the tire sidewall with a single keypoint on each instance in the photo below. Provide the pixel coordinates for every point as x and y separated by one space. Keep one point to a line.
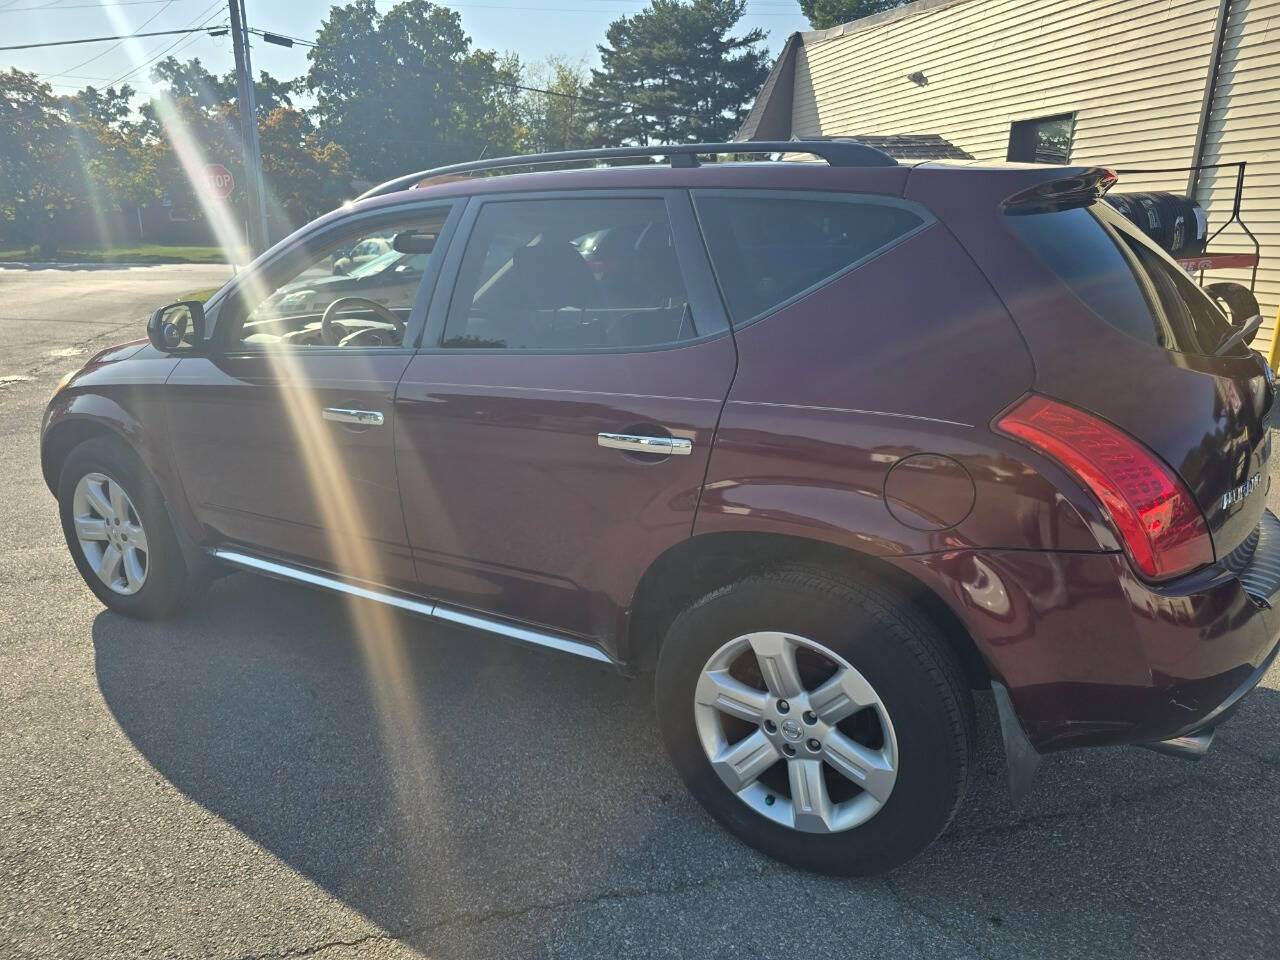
932 761
166 570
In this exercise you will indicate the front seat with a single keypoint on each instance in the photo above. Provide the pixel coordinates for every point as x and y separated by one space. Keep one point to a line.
547 276
552 274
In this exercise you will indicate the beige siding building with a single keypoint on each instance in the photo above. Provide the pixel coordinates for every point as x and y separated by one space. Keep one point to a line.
1127 84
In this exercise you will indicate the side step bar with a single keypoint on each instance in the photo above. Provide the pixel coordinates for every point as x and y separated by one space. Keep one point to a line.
424 608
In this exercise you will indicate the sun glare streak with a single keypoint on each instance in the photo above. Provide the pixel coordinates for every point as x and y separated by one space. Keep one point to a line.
413 764
412 761
382 644
218 213
83 151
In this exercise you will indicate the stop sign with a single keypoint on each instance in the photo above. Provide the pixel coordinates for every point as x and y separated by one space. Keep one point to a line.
218 180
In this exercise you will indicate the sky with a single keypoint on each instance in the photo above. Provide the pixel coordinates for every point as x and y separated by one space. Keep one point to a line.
570 28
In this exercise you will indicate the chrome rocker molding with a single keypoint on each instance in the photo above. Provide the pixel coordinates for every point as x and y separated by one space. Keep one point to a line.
434 611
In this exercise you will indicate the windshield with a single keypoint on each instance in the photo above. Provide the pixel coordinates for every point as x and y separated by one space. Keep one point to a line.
379 263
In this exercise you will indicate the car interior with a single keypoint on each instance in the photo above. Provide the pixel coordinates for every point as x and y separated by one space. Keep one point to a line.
581 276
535 275
365 305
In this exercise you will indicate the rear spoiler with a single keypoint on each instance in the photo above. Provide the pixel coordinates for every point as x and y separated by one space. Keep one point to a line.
1080 189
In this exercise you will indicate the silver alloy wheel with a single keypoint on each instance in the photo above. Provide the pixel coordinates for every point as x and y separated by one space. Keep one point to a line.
110 533
797 725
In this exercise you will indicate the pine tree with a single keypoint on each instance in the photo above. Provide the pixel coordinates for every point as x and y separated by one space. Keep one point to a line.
674 73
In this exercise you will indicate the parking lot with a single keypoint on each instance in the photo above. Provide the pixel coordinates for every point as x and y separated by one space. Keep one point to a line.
232 785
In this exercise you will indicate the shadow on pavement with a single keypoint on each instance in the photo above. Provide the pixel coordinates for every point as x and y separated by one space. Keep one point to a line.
539 806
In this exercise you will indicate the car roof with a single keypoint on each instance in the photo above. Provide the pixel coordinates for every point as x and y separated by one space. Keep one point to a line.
992 180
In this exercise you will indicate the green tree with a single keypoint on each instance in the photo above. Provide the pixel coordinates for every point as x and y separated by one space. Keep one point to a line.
204 135
114 164
189 80
111 107
831 13
111 152
675 73
563 118
304 176
39 178
405 89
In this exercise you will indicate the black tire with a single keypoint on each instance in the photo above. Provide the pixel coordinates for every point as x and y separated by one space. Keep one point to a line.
897 649
1168 219
168 585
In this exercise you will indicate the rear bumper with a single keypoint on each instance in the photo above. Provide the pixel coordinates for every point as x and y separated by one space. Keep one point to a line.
1219 714
1091 655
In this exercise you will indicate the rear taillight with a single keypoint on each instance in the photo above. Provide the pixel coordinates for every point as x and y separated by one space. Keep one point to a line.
1161 526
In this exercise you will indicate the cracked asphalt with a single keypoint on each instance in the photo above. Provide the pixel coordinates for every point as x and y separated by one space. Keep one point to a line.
231 784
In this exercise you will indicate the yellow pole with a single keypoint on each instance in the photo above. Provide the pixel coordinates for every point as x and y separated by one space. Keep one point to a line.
1272 356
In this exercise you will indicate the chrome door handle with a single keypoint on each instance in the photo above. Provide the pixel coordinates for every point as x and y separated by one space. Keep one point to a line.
634 443
366 418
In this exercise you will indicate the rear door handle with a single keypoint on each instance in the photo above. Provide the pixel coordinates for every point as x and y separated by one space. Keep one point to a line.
365 418
636 443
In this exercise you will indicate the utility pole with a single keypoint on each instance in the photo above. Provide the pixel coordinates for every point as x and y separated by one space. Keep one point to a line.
256 194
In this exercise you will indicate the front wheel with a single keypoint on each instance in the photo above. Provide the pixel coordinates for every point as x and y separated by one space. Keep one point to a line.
822 721
119 532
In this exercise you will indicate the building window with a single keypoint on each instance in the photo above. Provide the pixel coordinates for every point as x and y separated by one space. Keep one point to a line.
1044 140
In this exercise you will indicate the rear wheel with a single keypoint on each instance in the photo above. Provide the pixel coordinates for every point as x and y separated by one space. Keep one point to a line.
119 532
824 722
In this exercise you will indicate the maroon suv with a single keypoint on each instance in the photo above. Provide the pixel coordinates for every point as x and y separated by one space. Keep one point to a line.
823 446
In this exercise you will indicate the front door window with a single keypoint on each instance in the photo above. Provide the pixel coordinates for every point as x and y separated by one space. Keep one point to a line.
356 291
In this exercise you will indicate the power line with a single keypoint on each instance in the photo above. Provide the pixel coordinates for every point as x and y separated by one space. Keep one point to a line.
210 12
99 56
122 36
87 6
187 40
180 44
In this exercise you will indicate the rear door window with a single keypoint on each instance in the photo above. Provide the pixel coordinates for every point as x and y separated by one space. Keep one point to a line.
572 274
1123 277
770 249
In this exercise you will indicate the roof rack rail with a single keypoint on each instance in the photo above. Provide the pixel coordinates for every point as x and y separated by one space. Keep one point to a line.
837 153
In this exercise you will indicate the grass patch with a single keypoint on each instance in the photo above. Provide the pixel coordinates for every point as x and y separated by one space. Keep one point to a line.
146 253
201 295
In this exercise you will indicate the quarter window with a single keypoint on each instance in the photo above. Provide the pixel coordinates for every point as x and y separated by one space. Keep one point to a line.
570 275
769 250
1124 278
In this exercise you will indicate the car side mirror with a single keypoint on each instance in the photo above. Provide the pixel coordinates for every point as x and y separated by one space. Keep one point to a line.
178 323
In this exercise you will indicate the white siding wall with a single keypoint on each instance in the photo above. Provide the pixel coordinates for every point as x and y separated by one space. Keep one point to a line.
1245 125
1132 71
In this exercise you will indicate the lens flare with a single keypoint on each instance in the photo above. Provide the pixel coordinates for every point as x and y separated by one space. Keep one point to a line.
378 630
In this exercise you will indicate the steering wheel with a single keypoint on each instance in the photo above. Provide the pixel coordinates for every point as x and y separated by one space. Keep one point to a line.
333 338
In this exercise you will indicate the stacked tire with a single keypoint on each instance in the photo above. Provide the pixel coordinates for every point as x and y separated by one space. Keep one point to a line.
1177 224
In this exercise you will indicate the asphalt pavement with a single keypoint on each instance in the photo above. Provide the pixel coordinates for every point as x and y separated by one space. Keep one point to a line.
232 784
